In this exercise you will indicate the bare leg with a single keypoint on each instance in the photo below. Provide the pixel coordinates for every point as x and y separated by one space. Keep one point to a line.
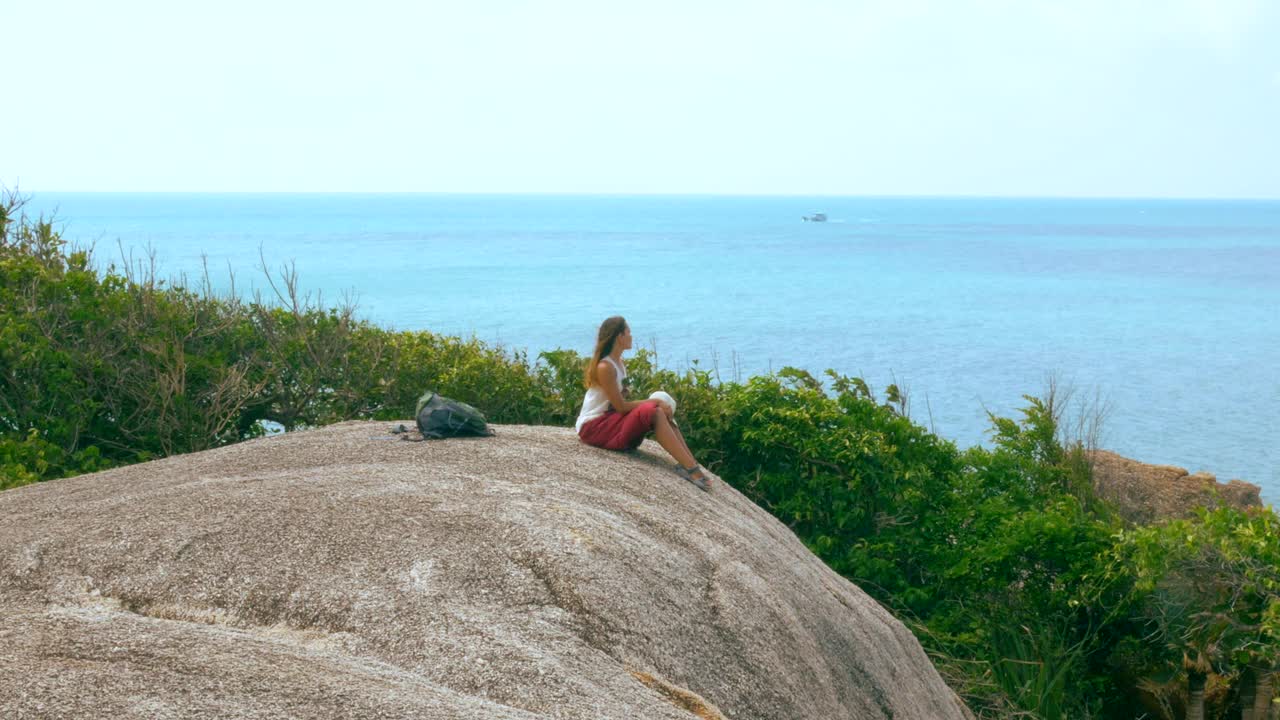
670 439
680 436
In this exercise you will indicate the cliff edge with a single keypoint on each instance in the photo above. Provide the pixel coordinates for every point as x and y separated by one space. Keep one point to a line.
343 573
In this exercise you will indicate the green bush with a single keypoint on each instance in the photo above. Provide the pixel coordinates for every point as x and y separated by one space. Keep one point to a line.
131 369
1203 596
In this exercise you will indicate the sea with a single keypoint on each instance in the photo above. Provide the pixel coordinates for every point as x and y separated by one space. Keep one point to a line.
1163 313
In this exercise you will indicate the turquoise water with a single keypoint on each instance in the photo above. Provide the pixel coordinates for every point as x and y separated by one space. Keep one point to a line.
1169 309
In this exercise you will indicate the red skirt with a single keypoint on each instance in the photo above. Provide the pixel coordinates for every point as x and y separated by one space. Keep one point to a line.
612 431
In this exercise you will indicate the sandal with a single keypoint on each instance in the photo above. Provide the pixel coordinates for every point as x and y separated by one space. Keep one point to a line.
701 481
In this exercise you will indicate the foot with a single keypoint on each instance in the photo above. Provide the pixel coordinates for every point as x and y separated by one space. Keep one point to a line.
696 475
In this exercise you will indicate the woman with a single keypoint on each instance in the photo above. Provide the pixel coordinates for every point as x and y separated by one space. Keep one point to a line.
610 421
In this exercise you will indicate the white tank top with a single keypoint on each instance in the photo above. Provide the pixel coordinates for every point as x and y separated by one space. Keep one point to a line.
596 403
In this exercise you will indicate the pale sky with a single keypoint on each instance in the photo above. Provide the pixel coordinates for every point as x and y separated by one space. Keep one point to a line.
1166 98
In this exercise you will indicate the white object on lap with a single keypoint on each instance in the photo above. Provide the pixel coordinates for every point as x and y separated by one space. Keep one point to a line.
663 397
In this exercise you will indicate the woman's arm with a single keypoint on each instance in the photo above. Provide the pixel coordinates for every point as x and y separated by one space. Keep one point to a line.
609 382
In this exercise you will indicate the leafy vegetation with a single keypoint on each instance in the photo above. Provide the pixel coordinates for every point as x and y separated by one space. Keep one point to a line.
1032 597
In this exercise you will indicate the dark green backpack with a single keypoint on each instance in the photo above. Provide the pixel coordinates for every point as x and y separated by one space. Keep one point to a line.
440 417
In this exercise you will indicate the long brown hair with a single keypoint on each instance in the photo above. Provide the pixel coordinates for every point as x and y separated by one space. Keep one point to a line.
610 329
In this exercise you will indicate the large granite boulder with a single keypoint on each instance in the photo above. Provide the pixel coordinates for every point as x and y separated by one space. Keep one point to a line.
341 573
1144 493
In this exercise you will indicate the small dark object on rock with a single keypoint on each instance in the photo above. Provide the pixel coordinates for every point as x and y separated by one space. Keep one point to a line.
441 417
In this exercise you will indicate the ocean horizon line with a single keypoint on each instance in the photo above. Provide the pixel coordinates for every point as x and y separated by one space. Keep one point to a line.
16 189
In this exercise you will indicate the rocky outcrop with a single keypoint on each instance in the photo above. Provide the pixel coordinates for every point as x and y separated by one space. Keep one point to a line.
1147 493
341 573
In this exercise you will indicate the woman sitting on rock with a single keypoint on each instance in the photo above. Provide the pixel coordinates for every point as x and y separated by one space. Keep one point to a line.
610 421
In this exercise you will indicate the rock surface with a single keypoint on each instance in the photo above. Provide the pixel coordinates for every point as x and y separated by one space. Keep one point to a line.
341 573
1147 493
